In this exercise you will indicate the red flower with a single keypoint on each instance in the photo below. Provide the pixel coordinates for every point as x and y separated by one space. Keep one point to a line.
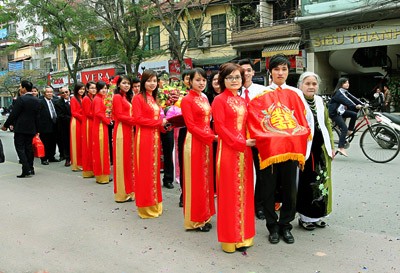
106 80
115 80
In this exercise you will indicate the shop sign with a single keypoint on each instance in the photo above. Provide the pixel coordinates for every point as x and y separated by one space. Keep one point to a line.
58 81
96 75
175 69
371 34
157 66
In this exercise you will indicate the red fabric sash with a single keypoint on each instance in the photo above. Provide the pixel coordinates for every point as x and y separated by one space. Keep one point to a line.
276 119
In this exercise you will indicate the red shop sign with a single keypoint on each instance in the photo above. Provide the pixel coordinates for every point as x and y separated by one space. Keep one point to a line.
96 75
175 69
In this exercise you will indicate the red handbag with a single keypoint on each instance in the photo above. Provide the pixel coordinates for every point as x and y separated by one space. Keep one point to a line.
38 147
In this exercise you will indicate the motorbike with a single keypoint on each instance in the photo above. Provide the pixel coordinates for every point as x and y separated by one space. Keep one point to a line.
391 120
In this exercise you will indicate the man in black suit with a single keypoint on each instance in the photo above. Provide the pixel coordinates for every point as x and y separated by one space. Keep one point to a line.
63 111
24 120
48 126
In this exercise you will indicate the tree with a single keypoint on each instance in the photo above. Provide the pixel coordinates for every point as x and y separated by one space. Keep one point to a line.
127 23
65 22
10 81
176 18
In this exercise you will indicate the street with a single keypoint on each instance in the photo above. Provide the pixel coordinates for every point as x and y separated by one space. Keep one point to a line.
57 222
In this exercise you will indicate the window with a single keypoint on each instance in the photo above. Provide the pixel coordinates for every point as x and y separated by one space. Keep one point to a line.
177 32
194 31
153 39
218 29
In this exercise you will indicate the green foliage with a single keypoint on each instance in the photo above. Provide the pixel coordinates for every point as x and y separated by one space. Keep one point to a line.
64 24
125 24
394 88
10 81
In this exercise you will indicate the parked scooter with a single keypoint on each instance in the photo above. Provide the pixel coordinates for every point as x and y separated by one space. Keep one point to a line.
391 120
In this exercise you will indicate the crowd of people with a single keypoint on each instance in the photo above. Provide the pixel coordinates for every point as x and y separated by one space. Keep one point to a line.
247 145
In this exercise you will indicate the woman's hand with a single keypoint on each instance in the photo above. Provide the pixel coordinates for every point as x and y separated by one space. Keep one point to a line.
250 142
358 106
216 138
164 121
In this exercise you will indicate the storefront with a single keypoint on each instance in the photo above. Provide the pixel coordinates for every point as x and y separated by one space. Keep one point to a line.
368 53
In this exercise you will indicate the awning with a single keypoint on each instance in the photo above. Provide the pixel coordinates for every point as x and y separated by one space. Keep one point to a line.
282 48
23 58
212 61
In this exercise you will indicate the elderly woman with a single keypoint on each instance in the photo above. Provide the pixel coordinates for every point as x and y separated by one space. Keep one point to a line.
314 196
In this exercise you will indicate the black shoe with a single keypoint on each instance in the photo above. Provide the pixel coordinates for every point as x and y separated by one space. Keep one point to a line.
32 172
273 237
260 214
169 185
242 249
67 163
45 162
23 175
181 204
203 229
287 236
209 225
54 160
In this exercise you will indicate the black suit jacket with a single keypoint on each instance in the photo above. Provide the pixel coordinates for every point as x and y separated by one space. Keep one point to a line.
25 115
46 124
63 110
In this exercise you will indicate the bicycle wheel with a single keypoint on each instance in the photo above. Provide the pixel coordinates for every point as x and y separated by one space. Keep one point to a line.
380 143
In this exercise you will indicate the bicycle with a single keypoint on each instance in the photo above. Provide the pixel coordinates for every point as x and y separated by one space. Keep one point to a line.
378 142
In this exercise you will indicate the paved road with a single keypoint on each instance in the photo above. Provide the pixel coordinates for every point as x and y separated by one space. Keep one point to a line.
58 222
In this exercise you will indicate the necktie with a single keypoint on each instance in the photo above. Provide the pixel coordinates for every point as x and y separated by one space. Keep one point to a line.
52 112
246 96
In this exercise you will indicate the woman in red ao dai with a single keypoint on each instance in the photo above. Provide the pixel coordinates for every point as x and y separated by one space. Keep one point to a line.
198 195
123 141
147 147
235 216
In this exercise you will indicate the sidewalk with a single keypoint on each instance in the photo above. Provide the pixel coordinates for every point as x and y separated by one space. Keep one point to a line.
58 222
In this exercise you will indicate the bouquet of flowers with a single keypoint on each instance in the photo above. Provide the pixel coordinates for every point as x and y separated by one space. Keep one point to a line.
170 95
112 85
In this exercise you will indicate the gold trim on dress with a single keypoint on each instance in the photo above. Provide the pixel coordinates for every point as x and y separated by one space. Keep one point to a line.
231 247
150 212
120 194
102 179
74 150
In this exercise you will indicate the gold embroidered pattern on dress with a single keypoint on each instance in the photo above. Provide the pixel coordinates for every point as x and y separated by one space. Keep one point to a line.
238 106
204 106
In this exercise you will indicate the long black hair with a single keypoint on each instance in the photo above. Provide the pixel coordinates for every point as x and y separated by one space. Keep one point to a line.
339 84
78 87
129 94
148 74
100 85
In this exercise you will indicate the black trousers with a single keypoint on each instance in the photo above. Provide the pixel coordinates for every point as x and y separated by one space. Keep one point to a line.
49 142
23 146
260 183
65 132
167 142
181 141
283 175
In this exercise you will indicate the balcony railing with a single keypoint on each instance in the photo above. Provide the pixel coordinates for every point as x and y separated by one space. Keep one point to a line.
97 61
283 29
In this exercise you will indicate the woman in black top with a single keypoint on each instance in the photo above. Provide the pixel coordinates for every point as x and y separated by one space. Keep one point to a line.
343 105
